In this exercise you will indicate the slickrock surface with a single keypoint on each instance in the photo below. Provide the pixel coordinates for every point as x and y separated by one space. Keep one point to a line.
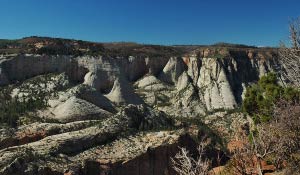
25 158
36 131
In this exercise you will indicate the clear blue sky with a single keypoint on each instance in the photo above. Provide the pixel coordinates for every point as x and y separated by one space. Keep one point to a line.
253 22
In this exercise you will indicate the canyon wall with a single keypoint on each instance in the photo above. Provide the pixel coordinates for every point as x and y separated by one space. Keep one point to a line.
217 82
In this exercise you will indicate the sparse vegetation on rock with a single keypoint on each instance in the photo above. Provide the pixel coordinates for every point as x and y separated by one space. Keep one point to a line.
11 109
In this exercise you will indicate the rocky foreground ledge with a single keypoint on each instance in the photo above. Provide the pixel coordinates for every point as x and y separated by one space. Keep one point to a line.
125 138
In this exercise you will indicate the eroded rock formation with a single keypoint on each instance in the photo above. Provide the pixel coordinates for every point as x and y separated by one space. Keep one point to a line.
103 113
219 82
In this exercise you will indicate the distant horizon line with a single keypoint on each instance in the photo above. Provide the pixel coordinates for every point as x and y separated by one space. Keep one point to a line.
140 43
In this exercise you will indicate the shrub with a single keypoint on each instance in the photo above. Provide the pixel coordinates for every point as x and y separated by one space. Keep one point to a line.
260 98
185 164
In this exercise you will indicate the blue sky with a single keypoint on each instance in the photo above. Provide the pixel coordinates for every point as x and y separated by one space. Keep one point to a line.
255 22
